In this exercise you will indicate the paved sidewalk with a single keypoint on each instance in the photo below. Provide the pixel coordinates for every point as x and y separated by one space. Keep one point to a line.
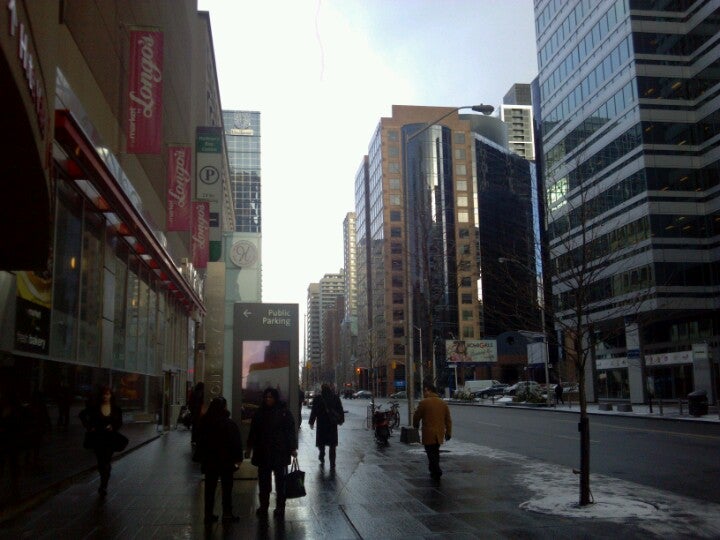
375 493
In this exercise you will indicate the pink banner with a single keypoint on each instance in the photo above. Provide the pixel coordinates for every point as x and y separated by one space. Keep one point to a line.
200 234
178 188
144 97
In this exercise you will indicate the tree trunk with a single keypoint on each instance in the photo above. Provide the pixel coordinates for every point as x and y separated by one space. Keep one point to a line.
584 429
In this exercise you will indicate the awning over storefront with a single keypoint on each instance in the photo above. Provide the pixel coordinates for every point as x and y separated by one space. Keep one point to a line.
94 177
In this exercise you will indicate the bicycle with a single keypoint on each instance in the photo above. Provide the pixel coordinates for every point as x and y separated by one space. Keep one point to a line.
394 414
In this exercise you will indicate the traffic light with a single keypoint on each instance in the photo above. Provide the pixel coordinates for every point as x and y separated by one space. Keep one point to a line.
357 370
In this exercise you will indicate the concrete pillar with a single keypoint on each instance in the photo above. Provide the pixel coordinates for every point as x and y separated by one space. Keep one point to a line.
636 363
702 370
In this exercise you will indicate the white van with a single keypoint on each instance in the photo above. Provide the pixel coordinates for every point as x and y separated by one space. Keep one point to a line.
482 384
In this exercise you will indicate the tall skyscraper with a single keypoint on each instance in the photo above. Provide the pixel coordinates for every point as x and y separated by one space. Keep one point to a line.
630 132
242 137
516 112
348 330
432 191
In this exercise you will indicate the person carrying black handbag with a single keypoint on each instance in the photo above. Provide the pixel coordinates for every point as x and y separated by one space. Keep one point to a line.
272 441
219 449
328 411
102 418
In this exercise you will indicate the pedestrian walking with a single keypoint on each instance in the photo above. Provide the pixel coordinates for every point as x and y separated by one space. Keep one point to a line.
559 394
434 414
272 441
219 450
327 410
301 400
102 418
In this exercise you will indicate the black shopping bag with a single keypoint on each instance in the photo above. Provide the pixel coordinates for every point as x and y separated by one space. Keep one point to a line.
295 482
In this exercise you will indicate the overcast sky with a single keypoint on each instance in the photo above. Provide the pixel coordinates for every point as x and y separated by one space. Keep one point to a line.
323 73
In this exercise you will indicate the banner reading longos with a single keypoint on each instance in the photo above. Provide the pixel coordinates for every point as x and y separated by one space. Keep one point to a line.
474 351
179 194
200 234
144 97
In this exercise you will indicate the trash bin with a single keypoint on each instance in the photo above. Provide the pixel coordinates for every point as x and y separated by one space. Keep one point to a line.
698 403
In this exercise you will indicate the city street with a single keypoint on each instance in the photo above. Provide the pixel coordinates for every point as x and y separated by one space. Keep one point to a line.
156 492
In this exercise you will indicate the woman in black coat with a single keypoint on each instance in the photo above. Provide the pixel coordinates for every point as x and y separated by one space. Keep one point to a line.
273 441
328 412
102 418
219 447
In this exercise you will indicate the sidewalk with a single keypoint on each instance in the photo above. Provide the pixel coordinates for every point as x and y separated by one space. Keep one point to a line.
665 411
376 493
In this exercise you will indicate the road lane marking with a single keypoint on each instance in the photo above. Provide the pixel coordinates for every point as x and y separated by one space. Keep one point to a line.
648 430
574 438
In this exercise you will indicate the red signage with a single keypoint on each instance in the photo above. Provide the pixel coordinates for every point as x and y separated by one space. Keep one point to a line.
178 188
200 234
144 97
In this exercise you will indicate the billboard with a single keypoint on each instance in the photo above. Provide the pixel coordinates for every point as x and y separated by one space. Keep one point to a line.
473 351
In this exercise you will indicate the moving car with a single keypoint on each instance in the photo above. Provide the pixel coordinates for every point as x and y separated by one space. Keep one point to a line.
362 394
402 394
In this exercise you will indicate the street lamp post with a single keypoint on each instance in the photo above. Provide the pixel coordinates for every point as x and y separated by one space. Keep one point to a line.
544 335
410 364
422 376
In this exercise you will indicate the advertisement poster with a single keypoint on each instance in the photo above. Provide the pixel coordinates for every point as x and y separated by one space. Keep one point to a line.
32 312
474 351
266 364
144 94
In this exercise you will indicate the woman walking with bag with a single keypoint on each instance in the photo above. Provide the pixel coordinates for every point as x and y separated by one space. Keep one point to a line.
272 441
102 419
328 412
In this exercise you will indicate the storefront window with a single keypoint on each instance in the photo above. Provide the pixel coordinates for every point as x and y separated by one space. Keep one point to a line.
91 291
120 323
66 278
613 384
671 382
142 334
131 337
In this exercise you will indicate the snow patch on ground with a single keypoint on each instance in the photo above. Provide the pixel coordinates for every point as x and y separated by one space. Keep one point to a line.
557 492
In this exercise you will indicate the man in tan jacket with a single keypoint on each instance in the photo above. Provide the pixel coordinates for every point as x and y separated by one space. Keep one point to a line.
436 426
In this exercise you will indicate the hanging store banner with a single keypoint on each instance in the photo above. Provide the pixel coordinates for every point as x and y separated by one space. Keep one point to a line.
179 193
200 234
144 95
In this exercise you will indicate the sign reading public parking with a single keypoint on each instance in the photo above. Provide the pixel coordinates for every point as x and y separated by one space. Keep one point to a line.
265 355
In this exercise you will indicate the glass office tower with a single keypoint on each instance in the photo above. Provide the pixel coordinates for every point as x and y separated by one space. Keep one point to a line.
242 135
630 92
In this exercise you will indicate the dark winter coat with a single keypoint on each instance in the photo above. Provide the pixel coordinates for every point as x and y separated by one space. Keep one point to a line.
272 436
328 411
219 444
94 421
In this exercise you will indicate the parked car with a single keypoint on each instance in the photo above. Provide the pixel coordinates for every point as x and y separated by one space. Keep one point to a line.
362 394
402 394
495 390
522 386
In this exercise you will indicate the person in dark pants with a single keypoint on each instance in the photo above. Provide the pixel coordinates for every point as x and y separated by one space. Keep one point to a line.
328 411
272 441
434 414
219 446
559 394
102 418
